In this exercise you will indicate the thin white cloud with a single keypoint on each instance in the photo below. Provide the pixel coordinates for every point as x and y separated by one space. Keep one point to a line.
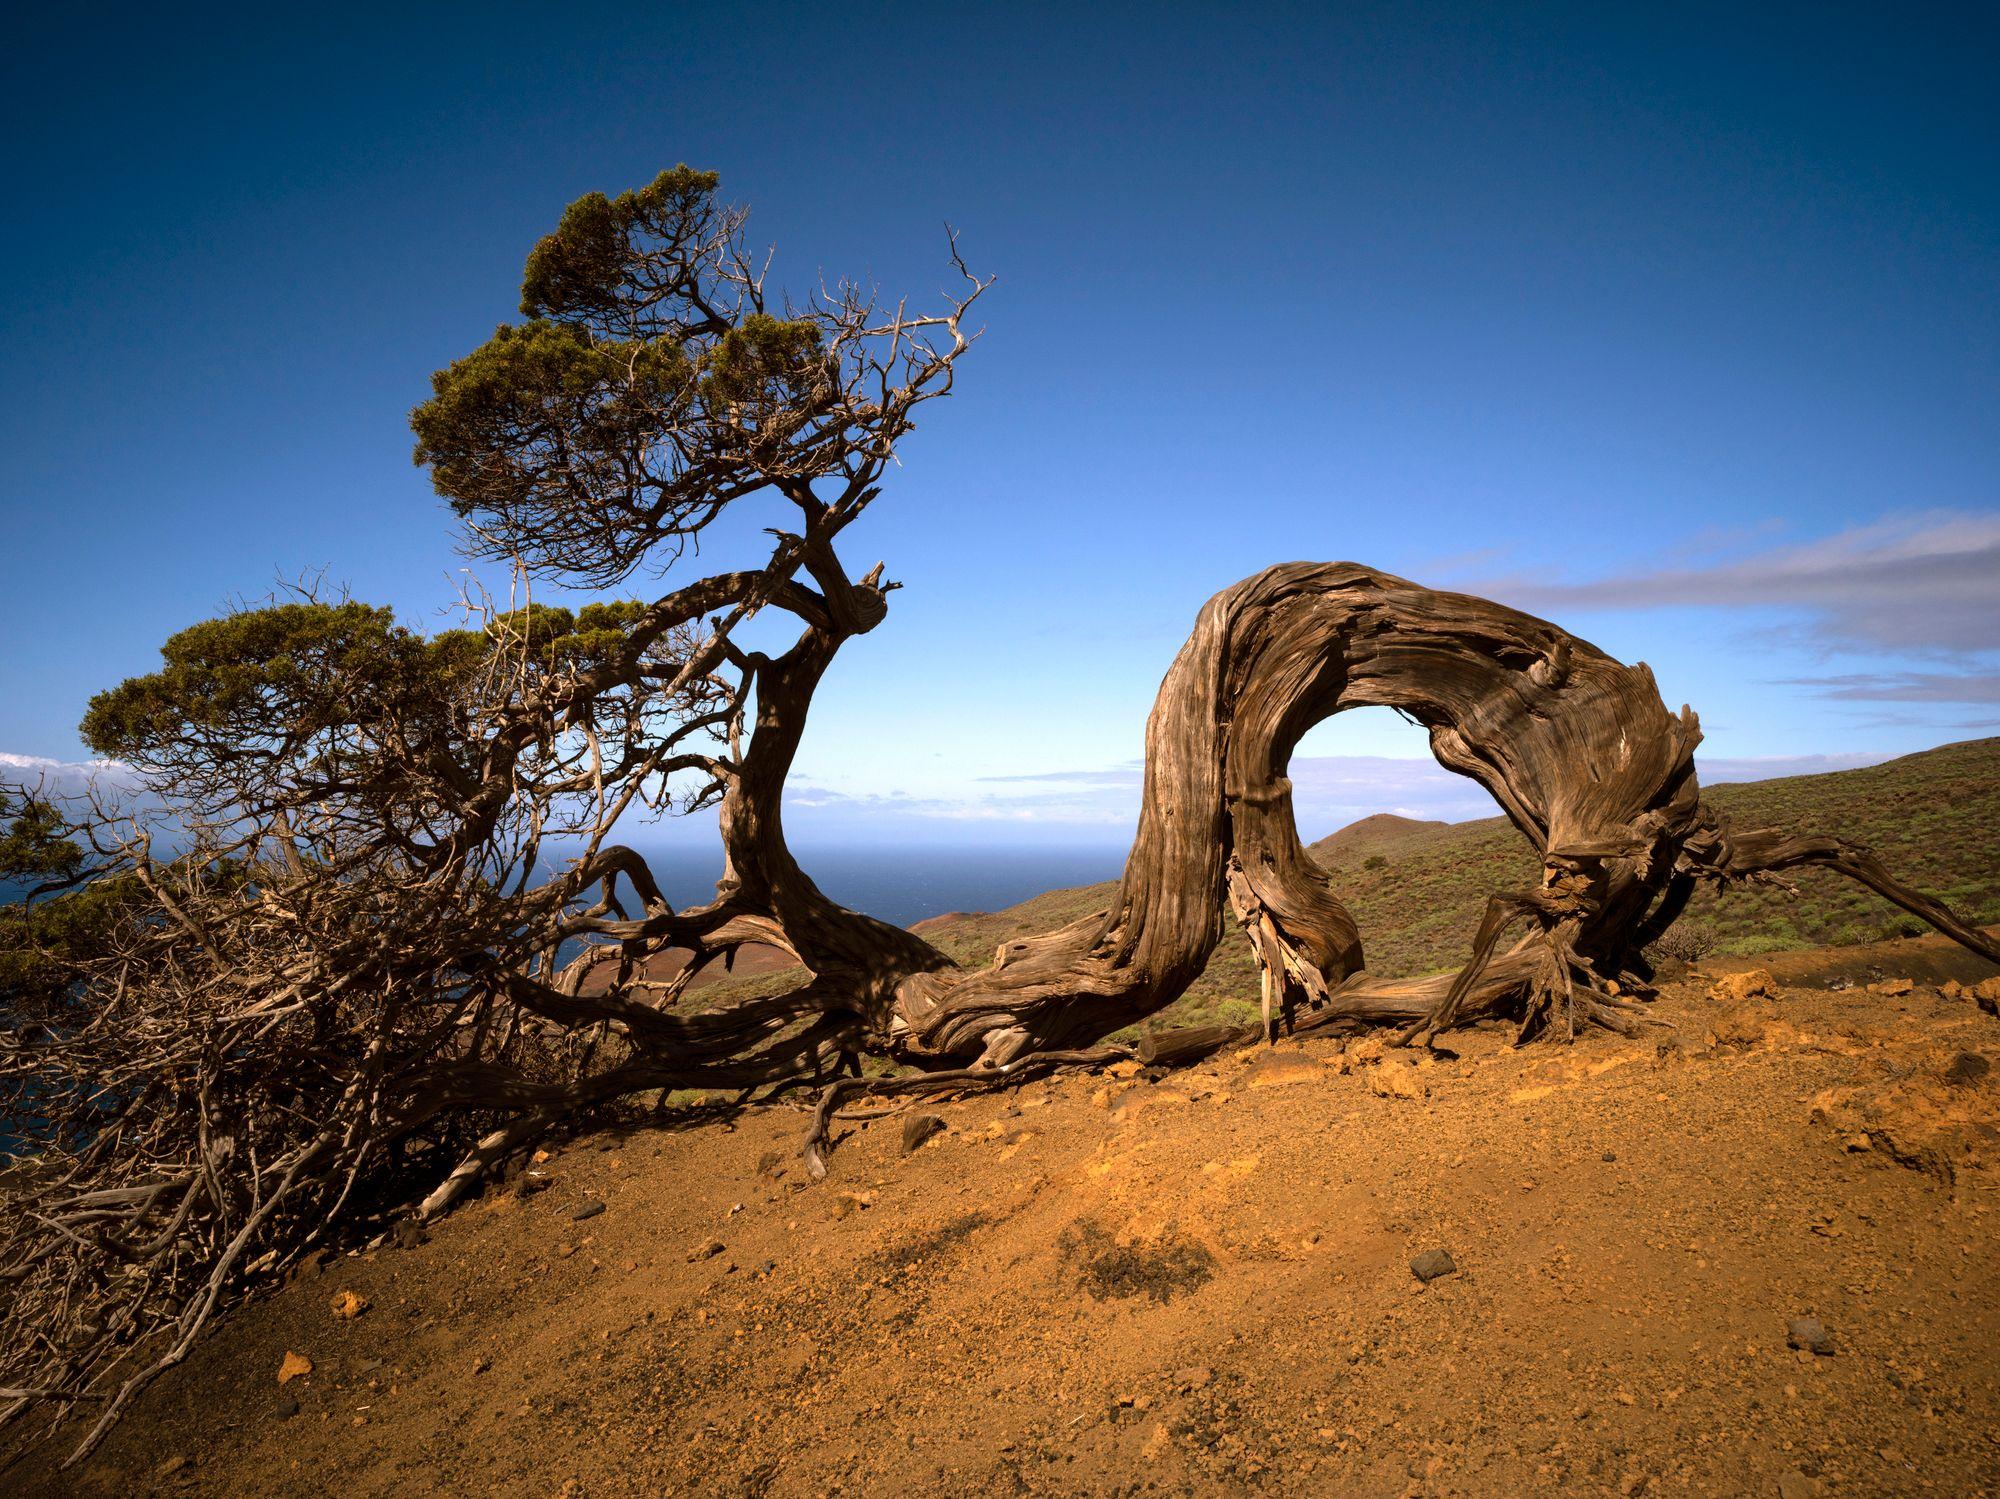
1928 582
1124 775
64 777
1718 771
1903 686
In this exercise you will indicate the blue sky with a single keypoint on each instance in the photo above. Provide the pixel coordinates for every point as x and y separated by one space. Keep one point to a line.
1680 325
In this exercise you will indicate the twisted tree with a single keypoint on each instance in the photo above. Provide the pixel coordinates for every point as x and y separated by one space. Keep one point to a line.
397 939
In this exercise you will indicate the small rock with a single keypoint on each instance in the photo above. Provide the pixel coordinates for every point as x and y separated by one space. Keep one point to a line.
1891 988
531 1182
1858 1144
918 1128
1952 989
705 1251
767 1267
1795 1485
1737 987
1282 1070
177 1463
1397 1082
1987 993
849 1203
313 1265
1810 1334
1194 1377
588 1210
1362 1053
481 1363
1610 1155
287 1408
347 1305
293 1366
1967 1069
1432 1264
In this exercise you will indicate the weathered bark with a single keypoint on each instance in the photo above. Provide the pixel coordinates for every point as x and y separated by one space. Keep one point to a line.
1576 747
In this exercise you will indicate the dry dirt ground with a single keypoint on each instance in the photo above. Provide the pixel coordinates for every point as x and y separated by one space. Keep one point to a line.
1198 1284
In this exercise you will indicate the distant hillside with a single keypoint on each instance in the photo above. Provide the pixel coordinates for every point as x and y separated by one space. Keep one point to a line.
1417 889
1373 835
1933 817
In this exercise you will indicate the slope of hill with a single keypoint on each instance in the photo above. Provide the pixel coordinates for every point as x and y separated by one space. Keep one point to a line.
1372 836
1199 1283
1933 817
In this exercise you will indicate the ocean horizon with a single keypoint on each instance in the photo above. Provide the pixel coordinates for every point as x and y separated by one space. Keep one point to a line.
908 883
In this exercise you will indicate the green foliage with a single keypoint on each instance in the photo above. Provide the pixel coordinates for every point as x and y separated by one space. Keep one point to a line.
35 847
592 264
44 940
548 413
647 390
46 943
765 362
553 637
286 669
336 705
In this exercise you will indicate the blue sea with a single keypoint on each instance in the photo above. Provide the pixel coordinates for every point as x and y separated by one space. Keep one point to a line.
905 885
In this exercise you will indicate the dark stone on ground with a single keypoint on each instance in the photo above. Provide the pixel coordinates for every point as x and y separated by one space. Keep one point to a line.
1967 1068
1809 1333
1432 1264
588 1210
